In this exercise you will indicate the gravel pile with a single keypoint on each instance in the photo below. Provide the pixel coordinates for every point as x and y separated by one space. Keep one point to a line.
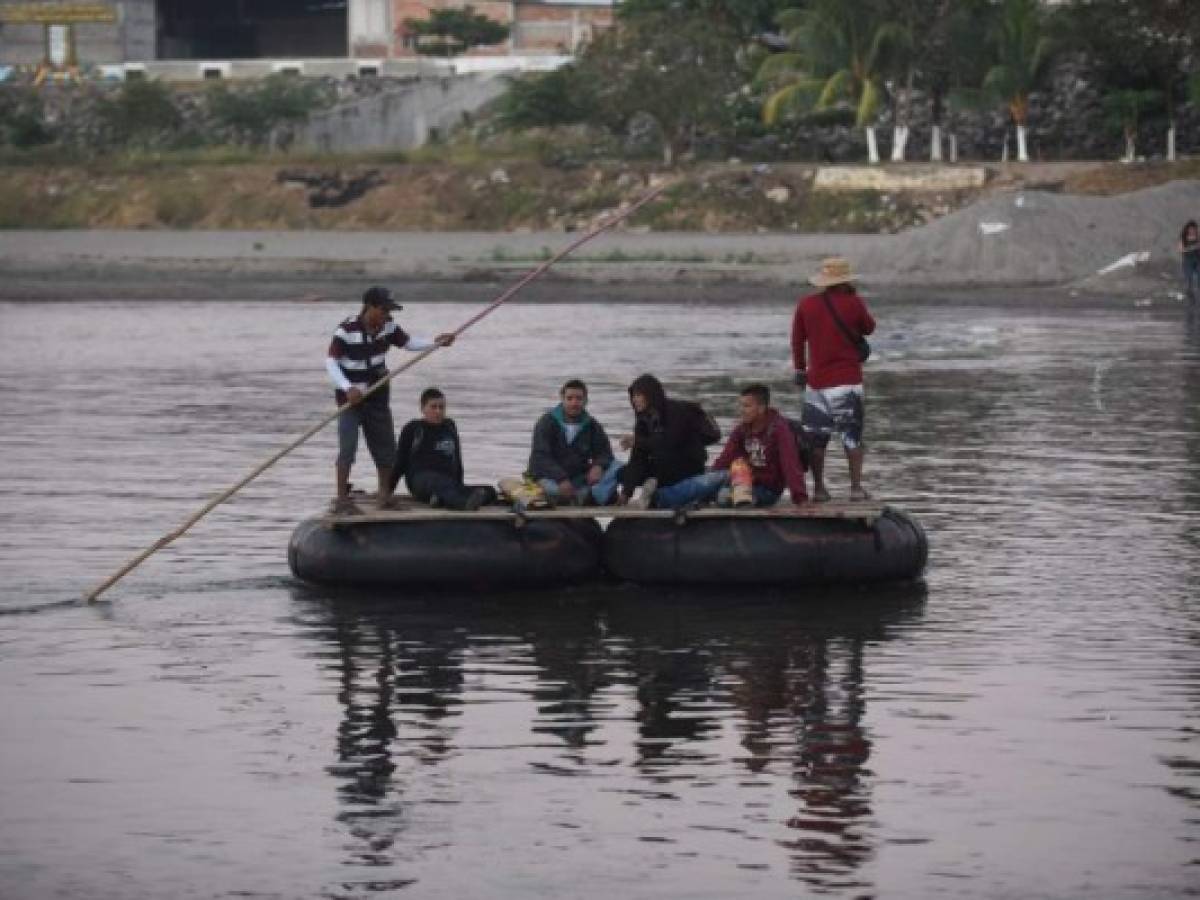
1037 237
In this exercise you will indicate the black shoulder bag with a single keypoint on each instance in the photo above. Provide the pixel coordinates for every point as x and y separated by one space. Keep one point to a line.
857 340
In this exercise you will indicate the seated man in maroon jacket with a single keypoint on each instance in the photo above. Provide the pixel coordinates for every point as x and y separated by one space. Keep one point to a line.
765 441
830 324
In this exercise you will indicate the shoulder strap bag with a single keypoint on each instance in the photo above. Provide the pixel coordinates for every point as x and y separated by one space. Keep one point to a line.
856 340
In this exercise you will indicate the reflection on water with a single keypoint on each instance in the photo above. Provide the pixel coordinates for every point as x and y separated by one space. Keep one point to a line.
1023 725
726 692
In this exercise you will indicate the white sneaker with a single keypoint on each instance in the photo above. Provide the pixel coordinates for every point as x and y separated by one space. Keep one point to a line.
646 497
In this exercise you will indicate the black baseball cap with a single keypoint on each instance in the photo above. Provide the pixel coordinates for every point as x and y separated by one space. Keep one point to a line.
380 296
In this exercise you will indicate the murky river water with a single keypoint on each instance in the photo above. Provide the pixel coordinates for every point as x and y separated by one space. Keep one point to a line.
1023 724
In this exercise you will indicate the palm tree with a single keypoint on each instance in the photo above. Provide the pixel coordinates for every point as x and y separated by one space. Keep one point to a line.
839 55
1022 52
951 63
1124 109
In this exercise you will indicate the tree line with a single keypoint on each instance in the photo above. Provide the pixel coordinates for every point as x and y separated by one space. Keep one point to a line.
707 71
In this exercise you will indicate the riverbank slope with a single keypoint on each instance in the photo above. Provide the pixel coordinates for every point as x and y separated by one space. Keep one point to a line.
1091 247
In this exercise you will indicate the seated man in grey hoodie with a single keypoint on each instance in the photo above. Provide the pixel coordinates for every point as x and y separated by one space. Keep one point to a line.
571 457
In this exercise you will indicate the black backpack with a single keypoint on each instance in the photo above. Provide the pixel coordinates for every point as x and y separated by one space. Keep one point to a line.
803 444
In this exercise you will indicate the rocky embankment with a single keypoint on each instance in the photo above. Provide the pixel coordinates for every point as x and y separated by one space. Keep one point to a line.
1093 248
1114 246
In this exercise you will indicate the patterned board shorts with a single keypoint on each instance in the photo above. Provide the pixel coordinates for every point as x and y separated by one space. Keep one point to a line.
834 410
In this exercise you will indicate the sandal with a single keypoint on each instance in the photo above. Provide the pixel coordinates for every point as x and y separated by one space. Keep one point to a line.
821 496
860 494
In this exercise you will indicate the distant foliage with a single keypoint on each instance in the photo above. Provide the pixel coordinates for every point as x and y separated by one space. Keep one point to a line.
140 114
559 97
22 120
686 75
747 18
449 32
250 113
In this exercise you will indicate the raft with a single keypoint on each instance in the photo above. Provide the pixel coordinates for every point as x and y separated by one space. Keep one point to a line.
771 546
498 547
454 549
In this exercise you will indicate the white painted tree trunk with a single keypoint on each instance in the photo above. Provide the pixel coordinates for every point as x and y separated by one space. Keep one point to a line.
1130 149
953 147
935 144
1004 149
1022 147
872 146
1171 142
899 142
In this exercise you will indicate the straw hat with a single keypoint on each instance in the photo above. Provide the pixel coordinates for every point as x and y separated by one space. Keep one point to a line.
834 270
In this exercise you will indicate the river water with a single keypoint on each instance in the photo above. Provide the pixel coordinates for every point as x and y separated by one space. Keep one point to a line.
1021 724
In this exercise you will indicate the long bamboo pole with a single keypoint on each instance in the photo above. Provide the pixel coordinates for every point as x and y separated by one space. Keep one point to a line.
280 454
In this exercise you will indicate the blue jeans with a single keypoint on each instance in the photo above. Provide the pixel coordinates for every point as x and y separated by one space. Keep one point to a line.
602 490
700 488
696 489
1191 277
764 496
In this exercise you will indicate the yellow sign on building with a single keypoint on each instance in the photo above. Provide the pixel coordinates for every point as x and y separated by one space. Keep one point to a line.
56 13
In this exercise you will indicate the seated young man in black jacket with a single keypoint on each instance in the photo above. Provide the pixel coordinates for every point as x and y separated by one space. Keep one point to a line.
571 457
429 458
669 441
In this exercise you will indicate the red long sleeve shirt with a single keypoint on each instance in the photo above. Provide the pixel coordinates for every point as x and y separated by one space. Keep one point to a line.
831 359
772 455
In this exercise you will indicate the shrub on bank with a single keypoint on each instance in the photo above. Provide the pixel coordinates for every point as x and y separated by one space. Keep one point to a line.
250 114
139 116
22 121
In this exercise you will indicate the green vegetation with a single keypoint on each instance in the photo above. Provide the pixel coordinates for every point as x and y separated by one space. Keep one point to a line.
684 73
22 120
449 32
1022 51
249 114
559 97
838 58
141 115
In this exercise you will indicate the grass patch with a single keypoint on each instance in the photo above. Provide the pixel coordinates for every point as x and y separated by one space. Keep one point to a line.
179 207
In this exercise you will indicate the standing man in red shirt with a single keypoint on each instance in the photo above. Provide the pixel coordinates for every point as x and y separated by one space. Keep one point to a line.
832 324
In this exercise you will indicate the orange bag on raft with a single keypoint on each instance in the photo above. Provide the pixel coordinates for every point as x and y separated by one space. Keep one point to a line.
741 483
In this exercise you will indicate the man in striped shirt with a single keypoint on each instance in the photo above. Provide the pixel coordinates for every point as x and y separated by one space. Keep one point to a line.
356 360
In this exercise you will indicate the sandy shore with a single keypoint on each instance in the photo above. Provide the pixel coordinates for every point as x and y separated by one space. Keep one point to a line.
1026 245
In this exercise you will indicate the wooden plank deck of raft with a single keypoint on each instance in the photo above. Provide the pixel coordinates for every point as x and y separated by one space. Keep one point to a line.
411 511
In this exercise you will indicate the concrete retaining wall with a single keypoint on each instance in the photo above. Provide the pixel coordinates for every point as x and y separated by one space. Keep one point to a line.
401 119
909 178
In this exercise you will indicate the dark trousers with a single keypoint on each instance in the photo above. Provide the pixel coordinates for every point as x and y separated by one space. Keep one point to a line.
451 493
1191 277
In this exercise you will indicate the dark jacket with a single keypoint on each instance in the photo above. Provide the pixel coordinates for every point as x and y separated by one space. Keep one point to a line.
669 438
552 457
425 447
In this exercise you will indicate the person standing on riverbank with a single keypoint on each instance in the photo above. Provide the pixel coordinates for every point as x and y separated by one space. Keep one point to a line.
828 365
356 361
1189 248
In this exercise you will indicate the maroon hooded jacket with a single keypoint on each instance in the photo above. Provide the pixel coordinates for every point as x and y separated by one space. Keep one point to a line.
771 453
